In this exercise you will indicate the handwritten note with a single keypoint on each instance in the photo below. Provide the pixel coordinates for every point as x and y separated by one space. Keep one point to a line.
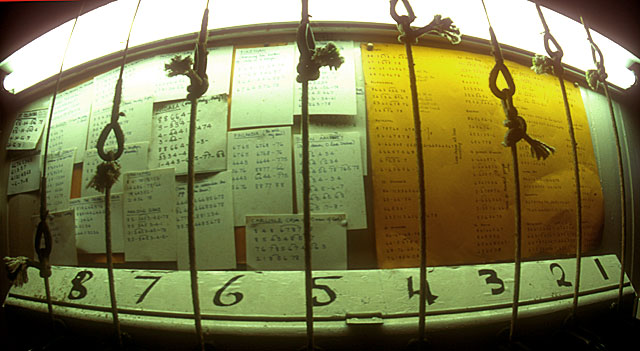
149 212
63 237
334 93
335 173
175 88
24 175
464 159
134 158
136 80
71 120
171 135
90 225
27 129
214 234
59 173
347 123
260 163
276 242
262 89
135 123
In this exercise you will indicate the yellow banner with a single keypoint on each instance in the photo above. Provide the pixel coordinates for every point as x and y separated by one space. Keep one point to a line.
468 172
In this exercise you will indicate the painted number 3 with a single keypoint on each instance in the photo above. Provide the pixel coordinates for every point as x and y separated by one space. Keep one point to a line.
493 279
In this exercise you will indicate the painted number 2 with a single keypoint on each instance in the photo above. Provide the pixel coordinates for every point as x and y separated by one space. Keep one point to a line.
561 281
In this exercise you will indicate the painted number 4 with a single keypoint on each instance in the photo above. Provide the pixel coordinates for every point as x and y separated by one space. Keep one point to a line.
431 299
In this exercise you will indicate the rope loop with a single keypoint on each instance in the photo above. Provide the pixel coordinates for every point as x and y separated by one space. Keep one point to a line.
117 131
556 55
596 55
43 252
404 19
599 75
501 94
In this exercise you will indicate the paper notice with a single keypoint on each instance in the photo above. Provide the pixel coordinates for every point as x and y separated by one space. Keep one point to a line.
149 212
213 215
90 225
335 174
260 163
468 173
275 242
262 89
24 175
169 147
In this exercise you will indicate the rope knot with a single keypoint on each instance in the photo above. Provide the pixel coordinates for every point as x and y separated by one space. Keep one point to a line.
542 64
183 66
328 55
107 174
594 77
445 28
518 131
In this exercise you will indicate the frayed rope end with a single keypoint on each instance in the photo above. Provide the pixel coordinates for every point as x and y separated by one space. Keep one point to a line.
107 174
17 267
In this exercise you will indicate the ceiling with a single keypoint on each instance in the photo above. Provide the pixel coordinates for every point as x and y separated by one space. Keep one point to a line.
21 22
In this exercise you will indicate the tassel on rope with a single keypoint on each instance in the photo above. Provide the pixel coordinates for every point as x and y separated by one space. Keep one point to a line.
17 269
542 64
107 174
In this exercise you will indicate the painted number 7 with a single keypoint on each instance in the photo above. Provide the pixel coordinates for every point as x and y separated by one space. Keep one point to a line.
146 291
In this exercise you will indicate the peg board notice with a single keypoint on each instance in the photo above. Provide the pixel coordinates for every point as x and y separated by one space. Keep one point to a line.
279 295
468 172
